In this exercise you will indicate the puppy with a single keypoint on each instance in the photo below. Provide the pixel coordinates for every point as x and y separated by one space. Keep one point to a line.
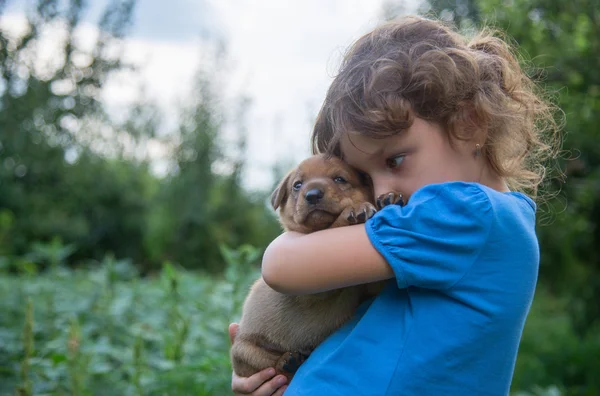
278 330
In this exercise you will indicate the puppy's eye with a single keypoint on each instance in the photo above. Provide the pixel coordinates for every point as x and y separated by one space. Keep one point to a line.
297 185
339 179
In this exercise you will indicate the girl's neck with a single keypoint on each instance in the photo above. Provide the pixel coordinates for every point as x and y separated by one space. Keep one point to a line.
492 180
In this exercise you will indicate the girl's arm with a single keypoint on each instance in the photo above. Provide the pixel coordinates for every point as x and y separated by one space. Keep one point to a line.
431 243
324 260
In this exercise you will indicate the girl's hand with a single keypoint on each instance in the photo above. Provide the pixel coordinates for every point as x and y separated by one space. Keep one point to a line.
263 383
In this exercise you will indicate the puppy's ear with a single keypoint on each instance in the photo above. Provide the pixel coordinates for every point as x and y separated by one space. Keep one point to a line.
280 194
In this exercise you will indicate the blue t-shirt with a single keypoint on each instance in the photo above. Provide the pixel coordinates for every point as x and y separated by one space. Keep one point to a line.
465 259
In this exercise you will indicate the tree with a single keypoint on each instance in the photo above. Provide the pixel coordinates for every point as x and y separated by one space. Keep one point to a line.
202 204
53 182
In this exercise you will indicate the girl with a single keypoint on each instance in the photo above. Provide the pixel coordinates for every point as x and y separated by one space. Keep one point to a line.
455 126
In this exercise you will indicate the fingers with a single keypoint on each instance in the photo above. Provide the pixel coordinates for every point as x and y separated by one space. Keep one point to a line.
272 387
233 328
246 386
258 384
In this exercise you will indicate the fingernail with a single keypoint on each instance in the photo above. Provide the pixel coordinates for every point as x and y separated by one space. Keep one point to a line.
271 372
281 380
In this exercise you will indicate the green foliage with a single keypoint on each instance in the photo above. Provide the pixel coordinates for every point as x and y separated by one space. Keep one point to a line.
552 353
108 331
104 332
46 116
53 254
72 178
201 207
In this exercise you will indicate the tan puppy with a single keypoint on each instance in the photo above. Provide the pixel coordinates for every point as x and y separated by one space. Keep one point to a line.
278 330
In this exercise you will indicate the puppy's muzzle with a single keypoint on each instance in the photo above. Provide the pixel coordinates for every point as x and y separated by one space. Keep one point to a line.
314 196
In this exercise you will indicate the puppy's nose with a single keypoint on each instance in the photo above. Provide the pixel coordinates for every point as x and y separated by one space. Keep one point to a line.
313 196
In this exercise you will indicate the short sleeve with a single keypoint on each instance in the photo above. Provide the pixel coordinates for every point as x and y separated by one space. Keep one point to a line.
434 239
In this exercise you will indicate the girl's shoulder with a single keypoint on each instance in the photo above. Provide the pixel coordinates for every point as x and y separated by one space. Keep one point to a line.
445 208
438 236
475 198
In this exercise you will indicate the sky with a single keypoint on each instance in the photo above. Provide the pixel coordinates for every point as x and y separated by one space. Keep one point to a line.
282 55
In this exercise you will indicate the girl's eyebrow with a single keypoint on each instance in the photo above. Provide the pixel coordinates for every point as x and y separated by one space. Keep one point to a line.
383 149
377 153
388 148
369 155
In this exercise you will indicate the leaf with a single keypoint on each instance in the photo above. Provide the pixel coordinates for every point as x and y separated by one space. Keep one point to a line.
58 358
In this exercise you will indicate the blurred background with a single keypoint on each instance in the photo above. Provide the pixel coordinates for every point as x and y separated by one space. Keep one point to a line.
139 143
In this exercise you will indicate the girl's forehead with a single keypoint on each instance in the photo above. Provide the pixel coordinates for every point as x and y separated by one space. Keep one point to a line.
358 148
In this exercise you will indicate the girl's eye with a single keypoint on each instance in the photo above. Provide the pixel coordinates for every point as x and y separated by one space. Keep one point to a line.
339 179
394 162
297 185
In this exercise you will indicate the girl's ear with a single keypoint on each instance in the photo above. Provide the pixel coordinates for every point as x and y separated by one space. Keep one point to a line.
280 195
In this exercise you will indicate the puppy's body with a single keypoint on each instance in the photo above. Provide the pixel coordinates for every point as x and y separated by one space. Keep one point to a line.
278 330
295 324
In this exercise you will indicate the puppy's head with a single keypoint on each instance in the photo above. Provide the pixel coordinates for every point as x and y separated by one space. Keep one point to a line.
315 193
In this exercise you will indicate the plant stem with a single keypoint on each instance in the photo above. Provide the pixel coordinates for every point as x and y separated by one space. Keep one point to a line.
25 388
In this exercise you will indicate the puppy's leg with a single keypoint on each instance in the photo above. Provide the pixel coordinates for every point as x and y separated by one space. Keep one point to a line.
355 214
248 358
290 362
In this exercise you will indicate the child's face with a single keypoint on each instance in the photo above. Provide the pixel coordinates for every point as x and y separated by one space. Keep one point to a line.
417 157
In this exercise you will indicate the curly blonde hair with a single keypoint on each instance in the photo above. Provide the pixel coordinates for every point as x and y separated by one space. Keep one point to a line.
417 67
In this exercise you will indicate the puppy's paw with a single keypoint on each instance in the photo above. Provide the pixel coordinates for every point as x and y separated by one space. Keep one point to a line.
289 363
391 198
358 214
